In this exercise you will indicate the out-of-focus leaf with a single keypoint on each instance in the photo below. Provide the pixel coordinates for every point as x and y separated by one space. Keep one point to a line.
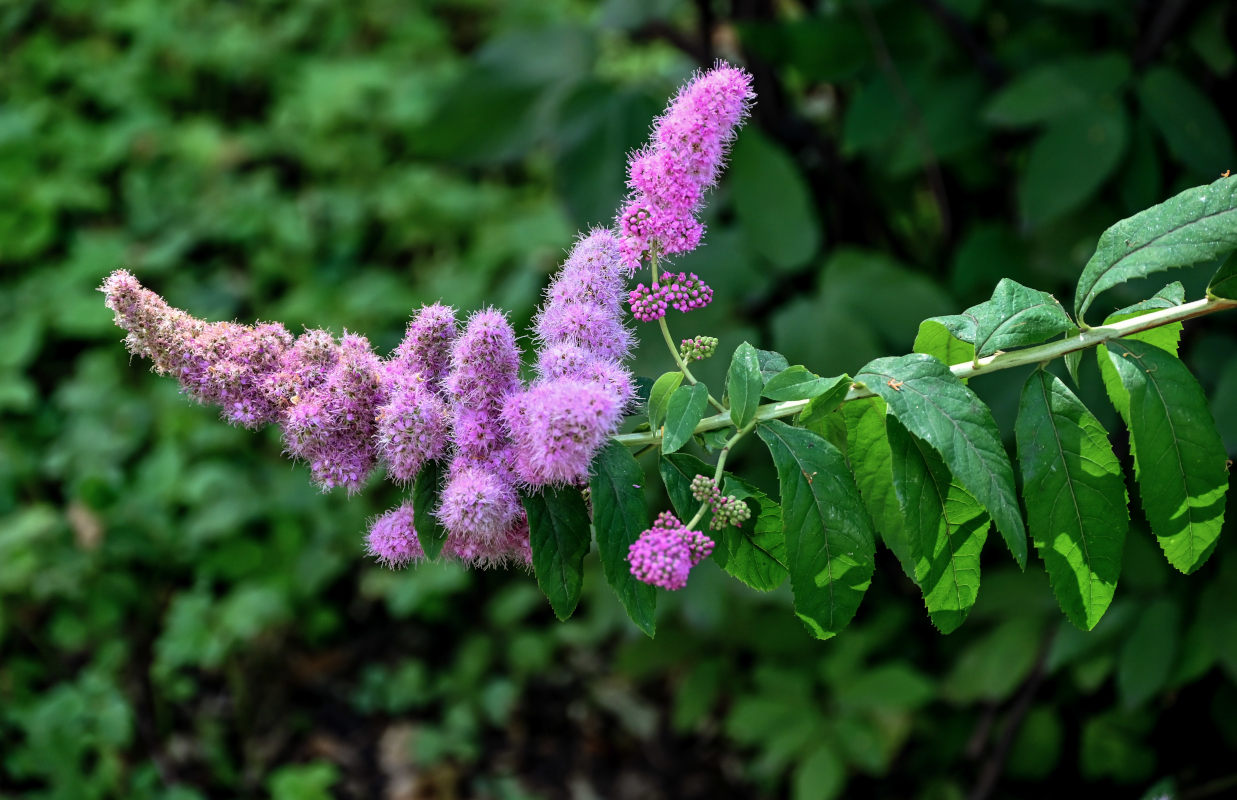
1188 122
772 201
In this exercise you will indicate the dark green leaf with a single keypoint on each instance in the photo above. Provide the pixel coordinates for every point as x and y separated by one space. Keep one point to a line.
1016 316
935 406
945 528
755 553
1223 285
1071 160
935 339
1180 462
771 363
426 491
1197 225
619 517
799 383
772 202
558 532
1195 132
1075 497
677 471
684 411
1149 652
830 547
867 448
659 397
1045 92
743 385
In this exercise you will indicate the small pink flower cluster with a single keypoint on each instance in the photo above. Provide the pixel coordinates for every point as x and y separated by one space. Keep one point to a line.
665 553
668 178
681 292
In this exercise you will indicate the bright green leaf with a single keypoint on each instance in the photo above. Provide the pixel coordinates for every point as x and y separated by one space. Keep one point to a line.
743 385
936 340
755 553
799 383
933 404
1075 497
659 397
945 528
867 448
1015 316
1181 472
830 546
1198 224
1165 337
684 411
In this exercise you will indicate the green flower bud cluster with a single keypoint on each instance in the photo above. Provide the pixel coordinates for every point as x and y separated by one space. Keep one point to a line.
728 510
698 348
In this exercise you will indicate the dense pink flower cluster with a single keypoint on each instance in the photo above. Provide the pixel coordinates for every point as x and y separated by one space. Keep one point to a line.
560 422
669 177
446 394
665 553
681 292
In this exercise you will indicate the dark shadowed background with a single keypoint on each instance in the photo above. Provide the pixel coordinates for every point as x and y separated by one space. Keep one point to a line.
182 615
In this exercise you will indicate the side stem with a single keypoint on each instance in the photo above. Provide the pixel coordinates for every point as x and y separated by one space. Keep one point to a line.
721 466
674 350
994 363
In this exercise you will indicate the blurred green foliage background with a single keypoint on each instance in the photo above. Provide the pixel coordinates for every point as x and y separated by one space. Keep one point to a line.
183 616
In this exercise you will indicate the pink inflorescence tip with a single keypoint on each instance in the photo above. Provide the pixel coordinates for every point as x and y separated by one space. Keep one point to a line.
669 177
665 553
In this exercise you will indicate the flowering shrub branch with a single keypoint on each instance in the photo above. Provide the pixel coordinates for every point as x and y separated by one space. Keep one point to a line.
504 473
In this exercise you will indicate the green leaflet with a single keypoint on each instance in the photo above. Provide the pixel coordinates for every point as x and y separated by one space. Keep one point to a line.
1165 337
771 362
945 528
800 383
677 471
867 448
1071 160
830 546
1149 652
935 340
822 406
756 553
772 202
1196 225
933 404
426 493
619 517
1181 472
1075 497
1015 316
1223 285
659 397
558 532
743 385
684 411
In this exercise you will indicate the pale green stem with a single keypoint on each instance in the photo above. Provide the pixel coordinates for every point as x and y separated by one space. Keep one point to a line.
994 363
721 466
